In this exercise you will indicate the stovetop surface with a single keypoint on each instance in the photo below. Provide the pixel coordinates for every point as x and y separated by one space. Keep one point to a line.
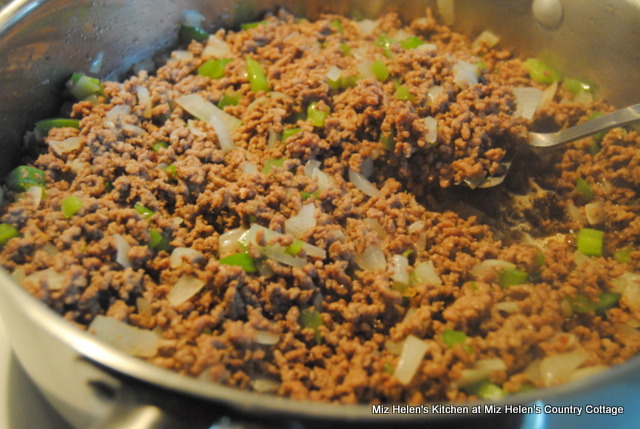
23 407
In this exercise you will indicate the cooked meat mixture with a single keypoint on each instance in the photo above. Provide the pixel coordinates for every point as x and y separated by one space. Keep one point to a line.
286 208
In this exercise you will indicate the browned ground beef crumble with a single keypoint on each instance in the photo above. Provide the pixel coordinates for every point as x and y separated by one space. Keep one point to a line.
530 221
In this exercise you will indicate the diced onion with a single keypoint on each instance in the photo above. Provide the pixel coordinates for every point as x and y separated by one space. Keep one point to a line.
372 259
144 98
133 129
364 68
575 214
427 47
432 129
117 112
490 265
399 269
487 38
589 371
248 168
180 253
364 185
52 278
324 180
425 272
557 368
216 48
267 338
279 254
186 287
465 74
272 138
67 145
491 364
249 237
508 306
129 339
595 212
481 371
122 251
621 283
548 93
334 73
527 101
302 222
193 128
447 11
264 385
416 227
631 293
310 166
143 306
228 241
181 55
413 351
367 26
223 123
35 192
433 93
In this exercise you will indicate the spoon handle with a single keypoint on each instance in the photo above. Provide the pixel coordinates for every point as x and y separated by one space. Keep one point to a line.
602 123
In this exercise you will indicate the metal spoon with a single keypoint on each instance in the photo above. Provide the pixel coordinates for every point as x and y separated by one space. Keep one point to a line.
541 141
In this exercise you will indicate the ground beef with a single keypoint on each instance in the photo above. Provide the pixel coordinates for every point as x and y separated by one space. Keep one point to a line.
321 311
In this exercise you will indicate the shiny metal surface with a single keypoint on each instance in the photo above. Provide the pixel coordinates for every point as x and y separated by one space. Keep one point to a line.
42 42
619 118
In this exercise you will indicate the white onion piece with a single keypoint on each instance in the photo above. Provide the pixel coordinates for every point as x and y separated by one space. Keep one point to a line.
465 74
399 266
579 259
427 47
366 167
491 364
122 251
223 123
248 168
267 338
595 212
310 166
143 306
364 68
490 265
631 292
181 55
50 249
193 128
621 283
264 385
133 129
425 272
144 98
35 192
447 11
334 73
18 275
52 278
508 306
393 347
279 254
129 339
416 226
179 254
117 112
228 241
372 259
481 371
575 214
324 180
67 145
413 351
367 26
302 222
487 38
364 185
433 93
583 97
527 101
432 129
216 48
376 227
272 138
557 368
186 287
548 93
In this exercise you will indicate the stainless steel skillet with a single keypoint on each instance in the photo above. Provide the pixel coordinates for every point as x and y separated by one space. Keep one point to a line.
42 42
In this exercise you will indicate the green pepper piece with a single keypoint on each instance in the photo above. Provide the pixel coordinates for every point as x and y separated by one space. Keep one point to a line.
336 25
82 86
385 43
7 232
46 125
311 319
346 49
70 206
290 132
159 145
388 140
582 304
452 337
143 210
157 241
387 368
228 100
316 114
257 76
487 390
270 164
590 241
242 260
189 33
294 248
623 255
306 195
607 300
402 93
411 42
213 68
170 170
512 277
380 70
250 25
23 177
583 188
576 86
540 72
